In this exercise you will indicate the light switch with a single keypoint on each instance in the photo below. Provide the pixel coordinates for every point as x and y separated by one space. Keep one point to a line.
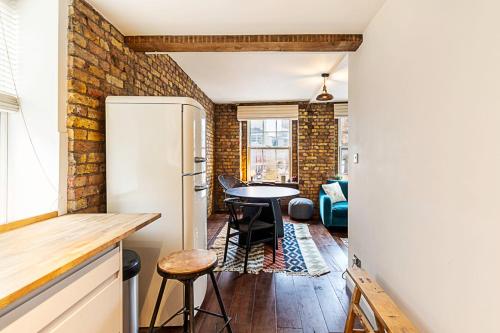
356 158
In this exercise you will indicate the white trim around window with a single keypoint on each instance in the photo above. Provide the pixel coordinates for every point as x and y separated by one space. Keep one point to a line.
341 122
263 147
3 167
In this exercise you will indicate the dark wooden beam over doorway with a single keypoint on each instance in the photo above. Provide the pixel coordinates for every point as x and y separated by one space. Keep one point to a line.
246 43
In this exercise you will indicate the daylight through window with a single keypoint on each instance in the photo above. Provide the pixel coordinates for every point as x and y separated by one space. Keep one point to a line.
269 149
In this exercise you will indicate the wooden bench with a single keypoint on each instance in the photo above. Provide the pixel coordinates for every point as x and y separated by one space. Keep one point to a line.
388 316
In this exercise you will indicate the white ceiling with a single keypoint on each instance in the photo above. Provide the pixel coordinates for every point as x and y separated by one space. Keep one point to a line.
249 76
231 77
225 17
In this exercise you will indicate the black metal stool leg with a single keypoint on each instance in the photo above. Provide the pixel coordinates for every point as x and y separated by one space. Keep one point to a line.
221 304
157 305
227 244
191 307
186 307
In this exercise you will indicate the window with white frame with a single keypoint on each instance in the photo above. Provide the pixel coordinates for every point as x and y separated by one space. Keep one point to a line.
269 149
8 96
343 139
8 55
3 167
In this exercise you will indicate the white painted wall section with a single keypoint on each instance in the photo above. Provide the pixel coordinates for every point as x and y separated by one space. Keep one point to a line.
424 106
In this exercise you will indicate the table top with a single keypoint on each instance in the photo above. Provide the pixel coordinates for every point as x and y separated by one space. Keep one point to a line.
36 254
262 192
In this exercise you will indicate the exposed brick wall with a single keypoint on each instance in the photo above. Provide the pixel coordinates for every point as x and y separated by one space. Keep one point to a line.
314 147
227 147
317 148
100 65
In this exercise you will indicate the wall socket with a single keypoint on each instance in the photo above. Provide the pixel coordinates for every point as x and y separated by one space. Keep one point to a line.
356 261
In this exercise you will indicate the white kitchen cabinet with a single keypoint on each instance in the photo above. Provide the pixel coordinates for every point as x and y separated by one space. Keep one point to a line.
99 314
88 299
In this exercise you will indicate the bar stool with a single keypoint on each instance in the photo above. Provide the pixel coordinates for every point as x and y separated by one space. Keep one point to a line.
186 267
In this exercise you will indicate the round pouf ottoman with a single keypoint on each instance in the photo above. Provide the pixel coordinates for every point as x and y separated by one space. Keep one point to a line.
300 209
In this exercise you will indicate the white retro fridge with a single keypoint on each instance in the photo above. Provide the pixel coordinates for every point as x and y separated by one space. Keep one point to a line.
156 162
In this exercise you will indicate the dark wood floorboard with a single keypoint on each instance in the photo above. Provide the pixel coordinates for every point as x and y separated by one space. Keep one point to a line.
276 302
264 308
242 304
287 308
331 308
226 283
311 315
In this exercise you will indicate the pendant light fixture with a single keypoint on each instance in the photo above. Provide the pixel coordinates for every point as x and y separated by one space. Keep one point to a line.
324 96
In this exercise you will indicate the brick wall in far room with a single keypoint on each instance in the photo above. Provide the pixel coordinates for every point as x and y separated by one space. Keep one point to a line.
314 142
317 153
100 65
227 148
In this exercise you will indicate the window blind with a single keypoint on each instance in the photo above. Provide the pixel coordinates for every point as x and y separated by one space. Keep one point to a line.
268 112
8 55
340 110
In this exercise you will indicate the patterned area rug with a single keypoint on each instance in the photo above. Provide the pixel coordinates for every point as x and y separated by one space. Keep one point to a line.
297 254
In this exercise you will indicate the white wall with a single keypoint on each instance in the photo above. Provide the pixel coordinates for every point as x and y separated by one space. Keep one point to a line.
32 189
424 102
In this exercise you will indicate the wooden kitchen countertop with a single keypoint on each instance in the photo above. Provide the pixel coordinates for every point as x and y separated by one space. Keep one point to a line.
36 254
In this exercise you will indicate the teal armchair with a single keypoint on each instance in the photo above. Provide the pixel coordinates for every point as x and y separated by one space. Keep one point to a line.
333 215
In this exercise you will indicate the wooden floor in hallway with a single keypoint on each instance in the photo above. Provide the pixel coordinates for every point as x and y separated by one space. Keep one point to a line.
279 303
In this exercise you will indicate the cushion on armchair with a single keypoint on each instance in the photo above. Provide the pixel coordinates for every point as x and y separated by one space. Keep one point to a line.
334 191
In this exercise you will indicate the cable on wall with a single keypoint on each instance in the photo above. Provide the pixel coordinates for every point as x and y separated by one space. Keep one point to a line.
49 181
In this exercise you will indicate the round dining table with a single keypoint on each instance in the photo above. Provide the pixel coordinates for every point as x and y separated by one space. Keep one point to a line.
270 194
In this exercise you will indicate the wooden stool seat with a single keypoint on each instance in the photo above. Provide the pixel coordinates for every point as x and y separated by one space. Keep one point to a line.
186 266
187 263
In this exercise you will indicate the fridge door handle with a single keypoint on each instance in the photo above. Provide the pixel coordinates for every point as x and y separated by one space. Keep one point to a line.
200 159
199 188
193 173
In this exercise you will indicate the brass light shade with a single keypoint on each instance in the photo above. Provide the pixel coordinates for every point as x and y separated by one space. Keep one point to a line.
324 96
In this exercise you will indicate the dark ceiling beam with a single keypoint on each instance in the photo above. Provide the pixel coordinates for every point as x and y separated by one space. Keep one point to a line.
246 43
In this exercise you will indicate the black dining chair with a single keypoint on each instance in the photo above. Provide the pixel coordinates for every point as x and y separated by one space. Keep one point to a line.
245 224
228 182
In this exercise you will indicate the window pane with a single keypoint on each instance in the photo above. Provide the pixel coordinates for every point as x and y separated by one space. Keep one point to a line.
343 139
8 46
282 161
344 161
270 139
256 164
270 125
257 126
343 131
269 164
256 133
270 170
3 167
256 140
283 139
283 125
